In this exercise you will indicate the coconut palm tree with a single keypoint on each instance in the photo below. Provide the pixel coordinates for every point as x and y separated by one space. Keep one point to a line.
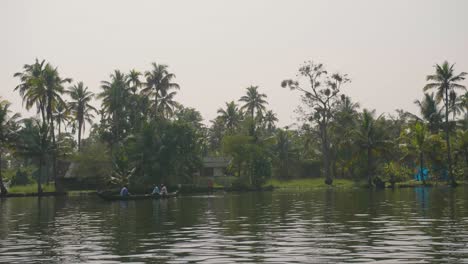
62 115
269 120
80 107
430 112
370 137
114 95
254 102
34 141
418 139
444 81
54 88
158 84
8 126
167 104
134 80
230 116
31 87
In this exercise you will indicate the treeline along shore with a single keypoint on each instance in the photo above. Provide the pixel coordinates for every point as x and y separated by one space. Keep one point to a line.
140 135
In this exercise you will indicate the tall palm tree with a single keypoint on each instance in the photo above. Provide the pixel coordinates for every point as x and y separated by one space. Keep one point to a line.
230 116
159 82
8 126
114 97
31 87
54 89
254 102
444 81
80 107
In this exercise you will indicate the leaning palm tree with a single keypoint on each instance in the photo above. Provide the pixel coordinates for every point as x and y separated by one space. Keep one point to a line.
80 107
230 116
254 102
445 81
158 84
8 126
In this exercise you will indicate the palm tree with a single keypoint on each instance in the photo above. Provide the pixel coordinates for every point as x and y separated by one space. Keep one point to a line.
418 140
134 80
430 112
62 116
53 84
370 136
270 119
80 107
34 141
8 125
254 101
445 81
158 83
32 88
230 116
285 152
114 97
167 104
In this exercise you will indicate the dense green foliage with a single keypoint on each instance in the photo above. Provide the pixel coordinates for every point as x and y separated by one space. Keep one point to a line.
143 136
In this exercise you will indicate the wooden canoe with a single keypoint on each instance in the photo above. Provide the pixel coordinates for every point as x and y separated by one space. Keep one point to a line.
116 197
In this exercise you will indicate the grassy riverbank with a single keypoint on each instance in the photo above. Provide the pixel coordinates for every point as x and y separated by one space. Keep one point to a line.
30 188
311 183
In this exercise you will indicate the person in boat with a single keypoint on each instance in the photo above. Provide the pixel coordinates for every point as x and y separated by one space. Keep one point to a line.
124 191
163 190
155 190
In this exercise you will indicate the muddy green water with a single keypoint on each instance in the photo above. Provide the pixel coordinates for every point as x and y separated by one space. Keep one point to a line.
410 225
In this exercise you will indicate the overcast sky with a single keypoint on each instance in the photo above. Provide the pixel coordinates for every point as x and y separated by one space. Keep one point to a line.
218 48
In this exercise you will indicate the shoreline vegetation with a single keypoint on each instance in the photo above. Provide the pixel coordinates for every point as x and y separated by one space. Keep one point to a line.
296 185
140 135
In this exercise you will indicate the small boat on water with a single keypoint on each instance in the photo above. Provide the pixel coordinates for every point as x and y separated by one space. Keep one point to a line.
117 197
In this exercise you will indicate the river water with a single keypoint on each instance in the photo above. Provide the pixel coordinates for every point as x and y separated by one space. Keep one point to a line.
421 225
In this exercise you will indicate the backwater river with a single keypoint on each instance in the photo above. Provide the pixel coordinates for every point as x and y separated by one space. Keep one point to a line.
420 225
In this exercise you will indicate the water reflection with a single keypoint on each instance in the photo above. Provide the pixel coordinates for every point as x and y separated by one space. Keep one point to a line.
412 225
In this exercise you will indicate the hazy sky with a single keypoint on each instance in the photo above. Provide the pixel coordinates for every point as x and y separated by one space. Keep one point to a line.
218 48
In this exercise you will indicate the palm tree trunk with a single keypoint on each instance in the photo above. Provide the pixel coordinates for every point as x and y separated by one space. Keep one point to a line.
80 124
3 189
59 129
369 165
447 139
326 161
39 178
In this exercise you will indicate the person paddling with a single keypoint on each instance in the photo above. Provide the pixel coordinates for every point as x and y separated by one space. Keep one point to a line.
163 190
124 191
155 190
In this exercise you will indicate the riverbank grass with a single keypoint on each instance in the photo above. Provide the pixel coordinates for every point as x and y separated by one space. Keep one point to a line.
30 188
311 183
